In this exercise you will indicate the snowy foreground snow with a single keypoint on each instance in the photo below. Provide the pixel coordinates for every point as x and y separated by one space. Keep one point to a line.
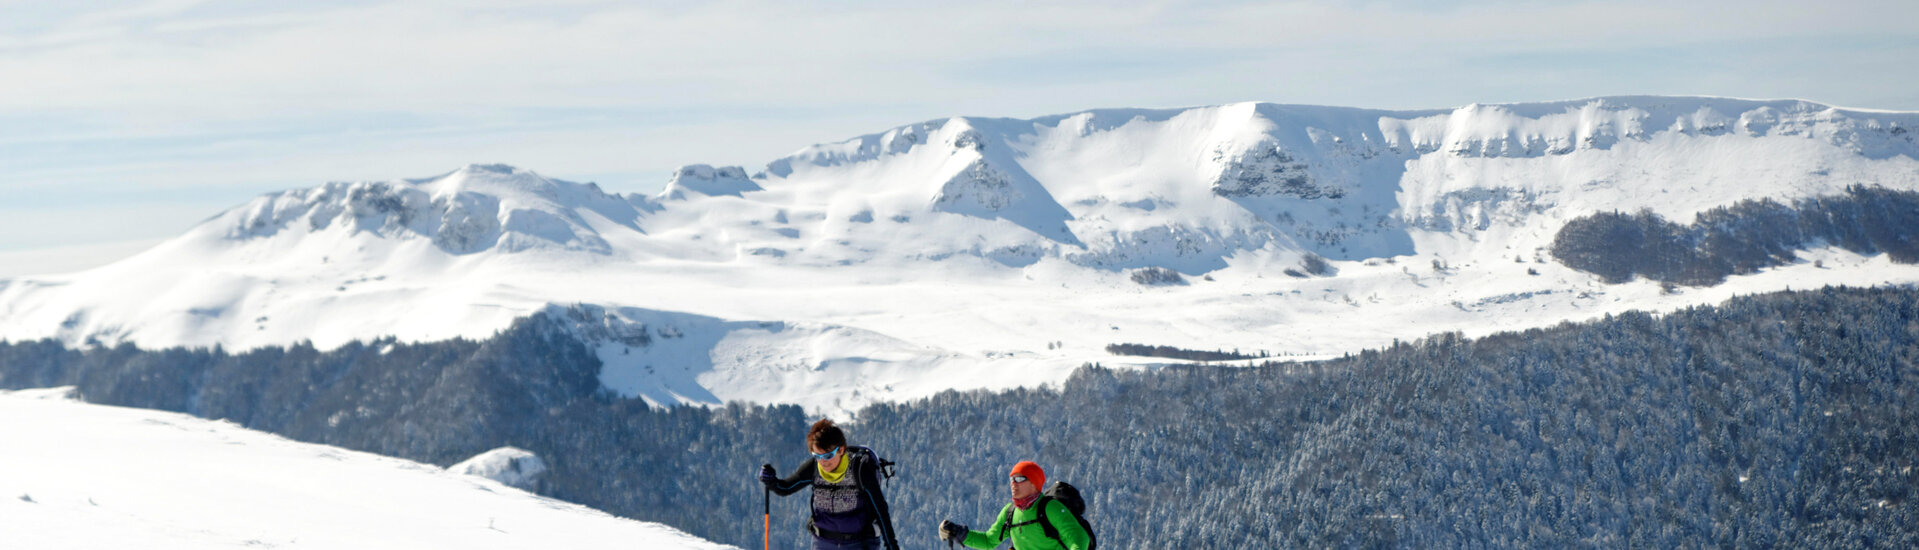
88 476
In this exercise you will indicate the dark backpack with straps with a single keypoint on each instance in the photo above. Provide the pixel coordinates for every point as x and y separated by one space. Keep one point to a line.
887 468
1068 495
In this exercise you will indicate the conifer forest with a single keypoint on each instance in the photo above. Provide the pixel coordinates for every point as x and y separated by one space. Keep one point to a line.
1779 420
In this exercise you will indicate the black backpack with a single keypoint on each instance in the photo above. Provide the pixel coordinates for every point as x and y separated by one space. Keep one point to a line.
887 468
1068 495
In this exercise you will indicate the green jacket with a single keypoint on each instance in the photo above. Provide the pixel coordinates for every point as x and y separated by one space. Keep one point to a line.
1031 536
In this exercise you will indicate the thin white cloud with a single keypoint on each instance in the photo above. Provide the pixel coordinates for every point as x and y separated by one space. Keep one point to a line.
193 95
444 57
67 259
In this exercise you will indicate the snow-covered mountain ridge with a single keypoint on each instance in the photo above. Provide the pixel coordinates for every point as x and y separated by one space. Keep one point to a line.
1256 165
477 208
985 252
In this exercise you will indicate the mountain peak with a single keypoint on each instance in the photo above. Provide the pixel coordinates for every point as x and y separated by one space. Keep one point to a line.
705 180
500 180
490 168
475 208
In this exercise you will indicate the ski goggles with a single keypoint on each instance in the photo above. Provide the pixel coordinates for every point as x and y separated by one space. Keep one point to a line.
827 455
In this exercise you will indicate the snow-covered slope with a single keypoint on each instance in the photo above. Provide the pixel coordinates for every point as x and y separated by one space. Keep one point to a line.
88 476
979 252
512 466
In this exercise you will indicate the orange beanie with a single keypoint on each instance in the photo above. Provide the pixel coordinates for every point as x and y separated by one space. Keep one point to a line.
1031 471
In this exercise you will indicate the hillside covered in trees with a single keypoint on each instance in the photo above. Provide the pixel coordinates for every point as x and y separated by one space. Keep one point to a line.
1740 239
1785 419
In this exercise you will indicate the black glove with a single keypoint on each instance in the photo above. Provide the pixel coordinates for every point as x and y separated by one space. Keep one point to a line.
950 531
767 475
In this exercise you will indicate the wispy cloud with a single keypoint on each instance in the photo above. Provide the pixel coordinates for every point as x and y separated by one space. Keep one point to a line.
106 98
66 259
191 60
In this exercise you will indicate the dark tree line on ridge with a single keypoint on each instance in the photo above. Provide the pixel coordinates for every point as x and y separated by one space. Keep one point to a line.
1740 239
1170 352
1784 419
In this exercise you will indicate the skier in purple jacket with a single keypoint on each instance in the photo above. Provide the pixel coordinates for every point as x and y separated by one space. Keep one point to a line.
849 510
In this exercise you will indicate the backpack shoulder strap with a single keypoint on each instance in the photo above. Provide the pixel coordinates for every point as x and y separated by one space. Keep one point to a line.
1005 521
1051 532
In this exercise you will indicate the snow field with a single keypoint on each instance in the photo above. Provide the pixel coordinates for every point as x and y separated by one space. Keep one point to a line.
81 476
994 253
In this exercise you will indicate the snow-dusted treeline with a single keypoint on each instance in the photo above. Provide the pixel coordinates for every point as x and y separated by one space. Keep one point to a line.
1773 420
1740 239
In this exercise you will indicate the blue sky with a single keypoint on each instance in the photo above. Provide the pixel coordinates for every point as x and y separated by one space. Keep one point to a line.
126 122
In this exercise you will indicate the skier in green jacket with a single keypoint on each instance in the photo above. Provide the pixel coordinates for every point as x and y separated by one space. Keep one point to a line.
1019 520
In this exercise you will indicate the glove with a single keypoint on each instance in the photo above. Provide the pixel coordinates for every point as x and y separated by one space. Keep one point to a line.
767 475
953 532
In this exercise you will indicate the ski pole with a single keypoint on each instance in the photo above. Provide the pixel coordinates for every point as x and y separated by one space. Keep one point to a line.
769 517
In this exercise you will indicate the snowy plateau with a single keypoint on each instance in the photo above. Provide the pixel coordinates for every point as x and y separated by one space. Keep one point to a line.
995 253
92 476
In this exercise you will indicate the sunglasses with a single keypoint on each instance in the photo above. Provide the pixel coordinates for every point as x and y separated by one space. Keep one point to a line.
1019 479
827 455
